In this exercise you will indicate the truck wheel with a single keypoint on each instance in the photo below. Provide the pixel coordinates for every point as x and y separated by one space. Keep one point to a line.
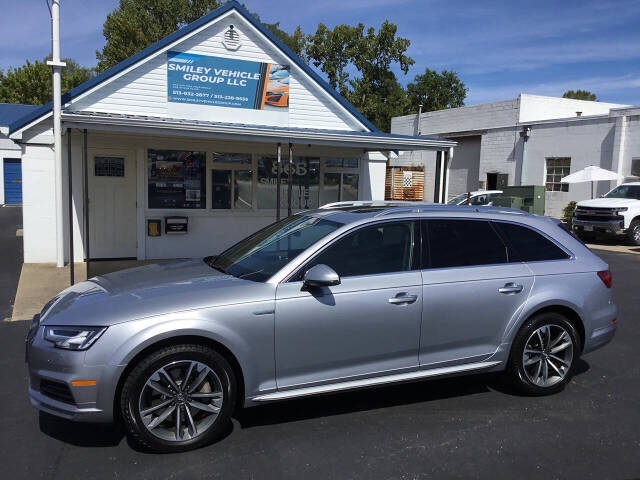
178 398
633 233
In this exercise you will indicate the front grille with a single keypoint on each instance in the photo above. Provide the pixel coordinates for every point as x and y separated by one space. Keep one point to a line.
56 390
597 214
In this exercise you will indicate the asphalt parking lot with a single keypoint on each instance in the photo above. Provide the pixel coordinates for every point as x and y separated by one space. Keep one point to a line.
466 427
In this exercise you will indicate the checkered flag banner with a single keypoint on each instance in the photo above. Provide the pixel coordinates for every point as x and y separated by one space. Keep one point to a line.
407 179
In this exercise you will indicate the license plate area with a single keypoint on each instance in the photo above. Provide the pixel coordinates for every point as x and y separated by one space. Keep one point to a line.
588 228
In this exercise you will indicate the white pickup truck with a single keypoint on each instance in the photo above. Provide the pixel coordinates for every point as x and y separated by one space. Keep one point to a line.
616 213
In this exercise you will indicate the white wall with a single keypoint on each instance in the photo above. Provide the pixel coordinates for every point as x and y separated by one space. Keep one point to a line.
143 91
537 107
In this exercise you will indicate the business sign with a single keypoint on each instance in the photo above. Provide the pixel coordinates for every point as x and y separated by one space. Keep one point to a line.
227 82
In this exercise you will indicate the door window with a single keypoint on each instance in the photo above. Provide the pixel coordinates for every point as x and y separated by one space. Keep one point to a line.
527 245
463 243
380 248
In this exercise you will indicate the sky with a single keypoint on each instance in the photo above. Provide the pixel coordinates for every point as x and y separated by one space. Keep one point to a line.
498 48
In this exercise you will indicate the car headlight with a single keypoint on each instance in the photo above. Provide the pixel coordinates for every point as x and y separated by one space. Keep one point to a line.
73 338
620 209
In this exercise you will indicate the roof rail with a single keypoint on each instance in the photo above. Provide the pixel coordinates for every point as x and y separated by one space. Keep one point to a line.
371 203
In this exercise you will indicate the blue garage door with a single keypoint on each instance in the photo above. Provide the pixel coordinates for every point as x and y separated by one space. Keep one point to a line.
12 181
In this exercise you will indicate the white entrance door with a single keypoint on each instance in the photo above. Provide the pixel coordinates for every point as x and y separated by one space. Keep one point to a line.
112 205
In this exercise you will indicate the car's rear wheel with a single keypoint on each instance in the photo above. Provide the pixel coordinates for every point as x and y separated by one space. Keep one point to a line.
178 398
633 233
544 354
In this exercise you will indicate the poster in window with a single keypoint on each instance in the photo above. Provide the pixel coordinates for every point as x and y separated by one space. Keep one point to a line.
176 179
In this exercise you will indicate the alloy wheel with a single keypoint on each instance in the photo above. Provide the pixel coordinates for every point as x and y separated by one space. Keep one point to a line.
548 355
181 400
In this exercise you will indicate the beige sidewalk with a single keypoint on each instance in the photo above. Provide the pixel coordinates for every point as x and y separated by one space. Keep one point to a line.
39 282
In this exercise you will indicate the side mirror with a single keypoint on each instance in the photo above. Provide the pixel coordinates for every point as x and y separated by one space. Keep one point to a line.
321 276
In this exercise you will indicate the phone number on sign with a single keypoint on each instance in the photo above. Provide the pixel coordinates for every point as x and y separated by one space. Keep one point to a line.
182 93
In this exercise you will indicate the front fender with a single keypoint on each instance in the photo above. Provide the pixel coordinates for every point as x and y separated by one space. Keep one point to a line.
247 336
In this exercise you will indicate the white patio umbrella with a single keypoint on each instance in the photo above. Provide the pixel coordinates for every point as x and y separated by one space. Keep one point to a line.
591 174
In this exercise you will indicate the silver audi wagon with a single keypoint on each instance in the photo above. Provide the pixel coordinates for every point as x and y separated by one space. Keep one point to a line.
348 296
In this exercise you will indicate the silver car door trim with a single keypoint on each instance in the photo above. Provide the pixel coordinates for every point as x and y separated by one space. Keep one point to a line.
367 382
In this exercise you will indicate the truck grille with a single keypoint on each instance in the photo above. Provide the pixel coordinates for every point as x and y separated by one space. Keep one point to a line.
56 390
597 214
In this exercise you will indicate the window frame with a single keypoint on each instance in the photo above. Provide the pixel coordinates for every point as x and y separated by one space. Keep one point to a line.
416 254
341 171
546 174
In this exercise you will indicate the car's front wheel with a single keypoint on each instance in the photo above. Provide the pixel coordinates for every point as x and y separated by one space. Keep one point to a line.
544 354
178 398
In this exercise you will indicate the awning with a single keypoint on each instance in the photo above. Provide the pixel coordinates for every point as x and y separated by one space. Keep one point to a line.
372 141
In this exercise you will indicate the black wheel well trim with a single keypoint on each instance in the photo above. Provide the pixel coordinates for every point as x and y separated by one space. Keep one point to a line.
569 313
180 340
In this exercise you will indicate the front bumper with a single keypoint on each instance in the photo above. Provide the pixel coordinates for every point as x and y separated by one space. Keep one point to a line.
613 227
51 373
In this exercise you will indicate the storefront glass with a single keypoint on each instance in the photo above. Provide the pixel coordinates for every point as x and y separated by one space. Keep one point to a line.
176 179
305 178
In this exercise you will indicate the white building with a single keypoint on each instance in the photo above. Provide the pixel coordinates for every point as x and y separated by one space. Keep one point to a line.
531 140
10 163
198 126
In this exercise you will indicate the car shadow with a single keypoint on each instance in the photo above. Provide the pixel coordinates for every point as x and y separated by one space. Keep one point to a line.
110 435
379 398
81 434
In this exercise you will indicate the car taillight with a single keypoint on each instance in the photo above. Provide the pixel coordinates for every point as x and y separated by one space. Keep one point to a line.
605 276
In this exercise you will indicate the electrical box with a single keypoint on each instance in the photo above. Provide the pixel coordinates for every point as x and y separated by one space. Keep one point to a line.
529 198
176 225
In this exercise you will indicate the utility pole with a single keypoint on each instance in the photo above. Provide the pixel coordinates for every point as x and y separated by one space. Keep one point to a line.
56 65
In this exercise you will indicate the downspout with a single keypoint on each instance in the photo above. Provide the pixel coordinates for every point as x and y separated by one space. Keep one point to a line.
623 138
57 65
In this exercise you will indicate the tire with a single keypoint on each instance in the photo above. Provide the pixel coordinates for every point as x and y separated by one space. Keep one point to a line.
558 354
193 380
633 233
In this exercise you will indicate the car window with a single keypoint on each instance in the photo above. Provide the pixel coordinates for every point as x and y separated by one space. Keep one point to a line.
478 200
261 255
380 248
462 243
527 245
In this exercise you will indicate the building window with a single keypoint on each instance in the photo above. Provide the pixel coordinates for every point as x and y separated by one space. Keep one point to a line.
340 180
635 167
232 181
304 176
176 179
557 167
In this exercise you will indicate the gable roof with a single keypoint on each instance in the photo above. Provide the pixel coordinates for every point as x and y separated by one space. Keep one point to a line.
12 112
168 40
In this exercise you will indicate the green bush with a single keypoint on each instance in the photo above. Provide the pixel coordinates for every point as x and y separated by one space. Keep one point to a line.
567 215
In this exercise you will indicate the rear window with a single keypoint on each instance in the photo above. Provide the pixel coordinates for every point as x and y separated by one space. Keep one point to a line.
527 245
463 243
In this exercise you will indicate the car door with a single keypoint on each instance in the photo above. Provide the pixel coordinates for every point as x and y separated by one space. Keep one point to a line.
368 324
470 291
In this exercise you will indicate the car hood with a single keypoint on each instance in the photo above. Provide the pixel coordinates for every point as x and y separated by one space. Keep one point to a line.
150 290
609 202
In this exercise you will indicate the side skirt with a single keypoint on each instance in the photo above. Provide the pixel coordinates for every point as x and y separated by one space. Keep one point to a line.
369 382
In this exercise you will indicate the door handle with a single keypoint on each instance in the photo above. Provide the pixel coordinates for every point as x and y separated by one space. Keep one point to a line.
510 288
403 299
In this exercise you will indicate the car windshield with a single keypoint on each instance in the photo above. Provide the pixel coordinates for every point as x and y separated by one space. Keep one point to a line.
458 199
261 255
625 191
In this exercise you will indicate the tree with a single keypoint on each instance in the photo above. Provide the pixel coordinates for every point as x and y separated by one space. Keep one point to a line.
580 95
297 41
377 93
435 91
333 50
136 24
31 83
